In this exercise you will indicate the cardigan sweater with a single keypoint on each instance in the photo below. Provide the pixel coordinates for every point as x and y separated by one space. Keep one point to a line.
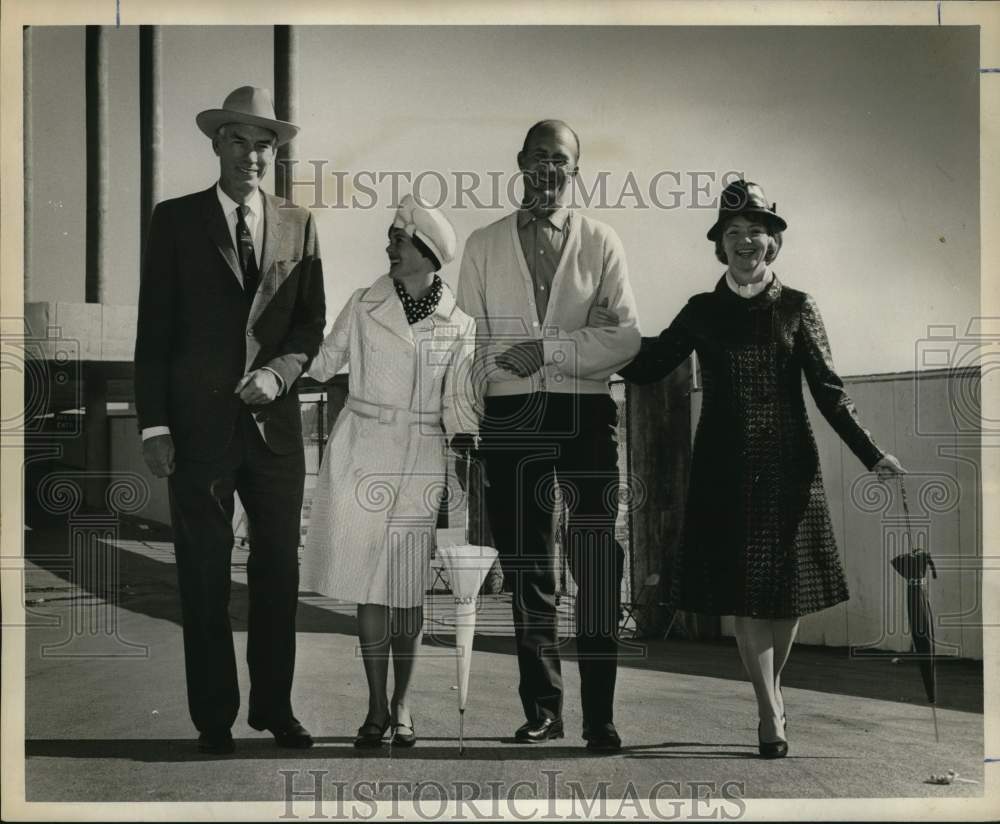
495 287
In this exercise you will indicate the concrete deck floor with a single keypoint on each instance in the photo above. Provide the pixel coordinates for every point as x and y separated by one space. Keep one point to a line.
102 728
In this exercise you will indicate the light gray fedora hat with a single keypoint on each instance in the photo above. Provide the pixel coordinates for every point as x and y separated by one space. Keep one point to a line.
247 104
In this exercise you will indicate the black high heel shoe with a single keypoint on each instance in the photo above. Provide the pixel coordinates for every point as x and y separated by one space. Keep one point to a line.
370 735
771 749
404 739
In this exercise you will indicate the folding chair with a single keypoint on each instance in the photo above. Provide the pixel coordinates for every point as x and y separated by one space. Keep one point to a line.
646 599
437 568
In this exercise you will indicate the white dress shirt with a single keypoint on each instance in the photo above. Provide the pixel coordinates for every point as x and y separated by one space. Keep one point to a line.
749 290
254 218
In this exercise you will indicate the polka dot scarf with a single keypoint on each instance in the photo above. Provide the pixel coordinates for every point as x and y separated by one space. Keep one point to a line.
419 309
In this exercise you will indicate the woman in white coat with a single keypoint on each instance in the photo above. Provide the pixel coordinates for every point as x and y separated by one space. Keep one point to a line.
409 351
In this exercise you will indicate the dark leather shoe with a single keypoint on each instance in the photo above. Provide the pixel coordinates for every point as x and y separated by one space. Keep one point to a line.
403 735
603 738
370 734
771 749
293 737
535 732
216 743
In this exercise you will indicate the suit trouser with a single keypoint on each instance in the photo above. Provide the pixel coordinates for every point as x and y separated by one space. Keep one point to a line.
270 487
528 442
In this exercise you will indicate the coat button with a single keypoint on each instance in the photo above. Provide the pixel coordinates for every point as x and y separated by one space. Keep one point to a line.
249 333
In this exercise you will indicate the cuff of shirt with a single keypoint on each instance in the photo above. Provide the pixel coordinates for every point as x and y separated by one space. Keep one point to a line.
154 432
281 380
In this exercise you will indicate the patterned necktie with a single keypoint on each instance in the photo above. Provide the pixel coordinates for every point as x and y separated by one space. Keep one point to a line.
248 260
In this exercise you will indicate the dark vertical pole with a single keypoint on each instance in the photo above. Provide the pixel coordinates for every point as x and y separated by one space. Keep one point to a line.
659 442
150 128
286 102
95 382
97 163
98 445
26 40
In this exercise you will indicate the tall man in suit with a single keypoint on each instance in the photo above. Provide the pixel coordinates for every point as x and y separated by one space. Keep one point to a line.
231 310
531 280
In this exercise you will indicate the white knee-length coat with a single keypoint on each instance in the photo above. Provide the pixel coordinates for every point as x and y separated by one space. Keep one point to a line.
376 501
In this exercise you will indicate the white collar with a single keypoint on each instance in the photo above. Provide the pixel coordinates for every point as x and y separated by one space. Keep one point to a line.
749 290
229 205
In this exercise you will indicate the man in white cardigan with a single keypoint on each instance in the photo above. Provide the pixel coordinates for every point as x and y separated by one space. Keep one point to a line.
531 280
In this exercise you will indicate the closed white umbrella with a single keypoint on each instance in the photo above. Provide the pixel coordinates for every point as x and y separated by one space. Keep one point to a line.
467 566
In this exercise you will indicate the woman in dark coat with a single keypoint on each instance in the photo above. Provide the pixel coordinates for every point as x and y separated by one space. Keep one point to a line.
757 540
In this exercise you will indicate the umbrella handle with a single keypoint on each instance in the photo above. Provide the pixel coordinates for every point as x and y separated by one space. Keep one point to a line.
906 512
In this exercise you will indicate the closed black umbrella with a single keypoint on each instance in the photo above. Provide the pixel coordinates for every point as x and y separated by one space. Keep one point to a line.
913 566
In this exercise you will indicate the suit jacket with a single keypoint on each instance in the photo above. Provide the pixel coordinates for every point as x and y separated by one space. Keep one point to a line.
196 337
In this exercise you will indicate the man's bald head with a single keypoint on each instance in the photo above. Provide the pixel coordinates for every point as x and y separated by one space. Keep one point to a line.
548 161
551 127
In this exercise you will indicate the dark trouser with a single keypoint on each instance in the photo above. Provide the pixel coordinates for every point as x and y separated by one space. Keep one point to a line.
528 442
270 487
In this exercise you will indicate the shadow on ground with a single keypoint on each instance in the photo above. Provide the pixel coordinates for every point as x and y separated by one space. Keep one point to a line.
338 747
148 586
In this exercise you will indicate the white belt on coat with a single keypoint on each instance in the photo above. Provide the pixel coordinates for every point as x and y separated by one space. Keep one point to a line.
391 414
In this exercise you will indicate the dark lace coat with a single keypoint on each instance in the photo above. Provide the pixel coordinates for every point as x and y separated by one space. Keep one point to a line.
757 538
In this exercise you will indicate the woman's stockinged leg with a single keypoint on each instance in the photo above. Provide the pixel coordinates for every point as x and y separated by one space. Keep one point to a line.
374 637
755 640
784 632
406 633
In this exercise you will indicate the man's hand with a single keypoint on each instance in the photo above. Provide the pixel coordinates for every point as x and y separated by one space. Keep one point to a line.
522 359
600 316
258 387
158 452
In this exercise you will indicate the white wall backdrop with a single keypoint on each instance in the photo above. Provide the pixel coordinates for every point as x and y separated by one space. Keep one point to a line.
867 138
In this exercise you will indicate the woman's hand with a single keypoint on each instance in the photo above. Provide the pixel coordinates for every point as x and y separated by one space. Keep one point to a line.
887 468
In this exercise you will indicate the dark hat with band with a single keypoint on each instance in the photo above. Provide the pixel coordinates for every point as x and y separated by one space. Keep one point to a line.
743 197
